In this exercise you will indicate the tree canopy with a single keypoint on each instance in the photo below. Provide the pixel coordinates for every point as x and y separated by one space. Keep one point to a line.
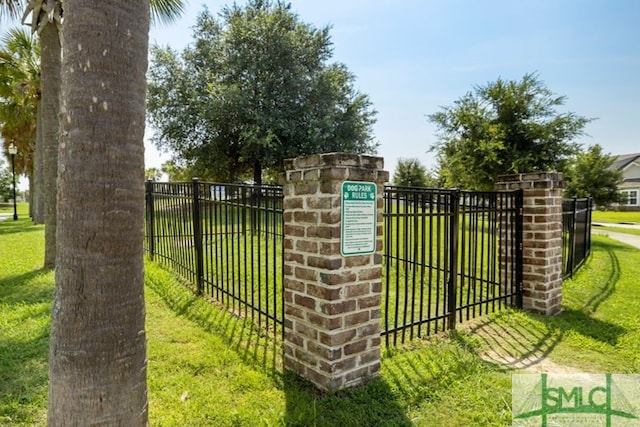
591 175
254 88
6 183
504 127
411 173
19 94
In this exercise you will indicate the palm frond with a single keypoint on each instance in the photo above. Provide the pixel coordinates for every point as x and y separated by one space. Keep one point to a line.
166 11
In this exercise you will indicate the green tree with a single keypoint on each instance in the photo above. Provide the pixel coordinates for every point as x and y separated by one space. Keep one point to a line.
97 358
411 173
253 89
591 175
504 127
6 183
152 174
19 105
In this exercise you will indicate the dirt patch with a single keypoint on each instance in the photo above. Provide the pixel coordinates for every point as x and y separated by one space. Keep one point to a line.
518 347
529 364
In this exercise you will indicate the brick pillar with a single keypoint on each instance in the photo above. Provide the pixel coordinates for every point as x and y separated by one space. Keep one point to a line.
542 238
332 302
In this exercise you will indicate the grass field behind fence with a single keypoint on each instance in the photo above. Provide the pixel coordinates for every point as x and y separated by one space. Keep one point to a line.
242 259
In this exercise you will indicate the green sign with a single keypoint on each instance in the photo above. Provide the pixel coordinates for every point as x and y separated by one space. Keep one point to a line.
358 226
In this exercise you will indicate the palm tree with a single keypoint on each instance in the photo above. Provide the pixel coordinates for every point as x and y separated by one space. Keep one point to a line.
97 356
12 8
46 20
97 362
19 102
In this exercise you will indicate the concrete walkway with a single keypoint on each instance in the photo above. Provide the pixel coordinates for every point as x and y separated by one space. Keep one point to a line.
4 216
630 239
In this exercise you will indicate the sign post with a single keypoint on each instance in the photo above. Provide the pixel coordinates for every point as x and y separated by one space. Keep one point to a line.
358 225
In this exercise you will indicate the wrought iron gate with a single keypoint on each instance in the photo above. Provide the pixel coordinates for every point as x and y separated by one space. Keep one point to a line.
448 256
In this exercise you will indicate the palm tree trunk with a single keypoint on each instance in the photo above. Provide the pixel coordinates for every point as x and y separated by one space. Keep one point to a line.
97 359
50 54
37 194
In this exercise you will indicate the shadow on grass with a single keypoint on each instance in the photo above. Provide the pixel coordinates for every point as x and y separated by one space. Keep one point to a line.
372 404
26 288
593 303
22 225
525 344
24 344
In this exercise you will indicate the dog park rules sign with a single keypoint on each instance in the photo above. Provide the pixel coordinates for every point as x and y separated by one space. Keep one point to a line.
358 225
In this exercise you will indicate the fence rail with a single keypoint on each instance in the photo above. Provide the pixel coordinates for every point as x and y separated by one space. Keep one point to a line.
576 233
449 255
224 238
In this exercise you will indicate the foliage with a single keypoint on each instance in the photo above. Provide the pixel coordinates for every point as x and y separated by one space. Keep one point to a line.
254 88
19 94
591 175
6 184
152 174
411 173
501 128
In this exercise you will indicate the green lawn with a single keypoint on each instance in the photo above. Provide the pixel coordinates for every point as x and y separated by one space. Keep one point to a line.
207 367
615 216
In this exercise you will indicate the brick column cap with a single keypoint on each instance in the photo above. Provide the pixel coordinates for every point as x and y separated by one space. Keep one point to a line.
335 159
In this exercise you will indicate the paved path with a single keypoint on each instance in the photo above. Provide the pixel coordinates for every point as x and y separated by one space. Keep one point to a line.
630 239
618 225
4 216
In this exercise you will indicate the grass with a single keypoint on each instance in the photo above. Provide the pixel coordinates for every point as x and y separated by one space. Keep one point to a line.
616 217
599 328
209 367
26 293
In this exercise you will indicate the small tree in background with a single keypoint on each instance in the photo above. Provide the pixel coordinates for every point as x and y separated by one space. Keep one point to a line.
591 175
411 173
504 127
152 174
6 188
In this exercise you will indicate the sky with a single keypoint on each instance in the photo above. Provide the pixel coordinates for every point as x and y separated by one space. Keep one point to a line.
412 57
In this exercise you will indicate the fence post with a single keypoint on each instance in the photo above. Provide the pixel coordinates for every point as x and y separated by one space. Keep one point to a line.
151 227
454 210
332 301
588 225
542 238
572 236
197 235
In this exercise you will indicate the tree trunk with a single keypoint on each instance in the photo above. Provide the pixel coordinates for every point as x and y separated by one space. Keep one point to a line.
37 193
257 172
97 357
50 63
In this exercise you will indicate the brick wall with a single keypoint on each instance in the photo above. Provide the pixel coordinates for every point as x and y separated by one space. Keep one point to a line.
332 302
542 238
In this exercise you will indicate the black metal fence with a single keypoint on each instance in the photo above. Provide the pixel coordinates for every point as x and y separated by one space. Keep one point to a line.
226 239
449 255
576 233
